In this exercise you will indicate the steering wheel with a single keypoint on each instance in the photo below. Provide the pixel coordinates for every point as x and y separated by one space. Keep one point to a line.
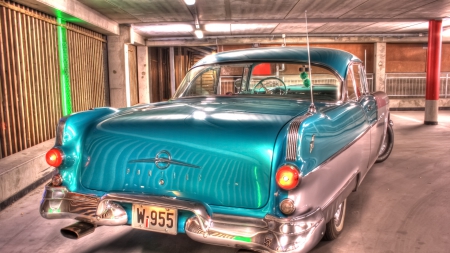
265 88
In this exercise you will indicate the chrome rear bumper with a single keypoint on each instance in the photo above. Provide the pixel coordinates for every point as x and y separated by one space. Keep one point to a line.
270 234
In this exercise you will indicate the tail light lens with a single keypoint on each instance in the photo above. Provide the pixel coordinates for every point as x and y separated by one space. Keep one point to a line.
54 157
288 177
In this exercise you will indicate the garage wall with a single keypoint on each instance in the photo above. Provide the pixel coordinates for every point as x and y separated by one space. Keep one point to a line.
160 69
29 78
87 61
406 58
412 58
30 86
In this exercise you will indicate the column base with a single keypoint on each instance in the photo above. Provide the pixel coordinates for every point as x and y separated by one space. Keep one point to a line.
431 112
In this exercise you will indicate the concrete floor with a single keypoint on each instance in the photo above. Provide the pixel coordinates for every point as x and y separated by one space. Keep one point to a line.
402 206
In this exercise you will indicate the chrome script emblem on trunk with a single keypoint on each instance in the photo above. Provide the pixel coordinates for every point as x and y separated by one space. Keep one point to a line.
163 160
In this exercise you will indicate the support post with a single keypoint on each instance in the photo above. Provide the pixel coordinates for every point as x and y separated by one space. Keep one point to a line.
379 70
118 67
433 72
63 53
172 71
143 70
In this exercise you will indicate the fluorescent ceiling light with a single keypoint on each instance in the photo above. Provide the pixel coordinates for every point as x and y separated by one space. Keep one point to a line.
165 28
189 2
217 27
199 34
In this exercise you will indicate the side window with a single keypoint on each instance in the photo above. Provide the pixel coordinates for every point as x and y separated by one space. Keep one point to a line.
231 79
365 85
350 83
359 81
204 84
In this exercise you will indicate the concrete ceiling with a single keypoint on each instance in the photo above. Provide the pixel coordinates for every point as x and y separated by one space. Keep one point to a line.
173 18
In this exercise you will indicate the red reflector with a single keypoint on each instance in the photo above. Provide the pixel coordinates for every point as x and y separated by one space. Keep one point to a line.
288 177
54 157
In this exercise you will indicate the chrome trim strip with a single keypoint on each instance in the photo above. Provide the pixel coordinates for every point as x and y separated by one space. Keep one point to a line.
239 220
167 161
292 137
164 160
60 131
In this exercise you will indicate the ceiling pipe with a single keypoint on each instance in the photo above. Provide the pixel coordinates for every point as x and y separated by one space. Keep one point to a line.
275 36
200 50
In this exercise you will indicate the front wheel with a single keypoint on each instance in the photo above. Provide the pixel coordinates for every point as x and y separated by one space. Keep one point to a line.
335 226
387 146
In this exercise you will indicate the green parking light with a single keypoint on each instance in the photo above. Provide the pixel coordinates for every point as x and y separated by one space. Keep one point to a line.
66 99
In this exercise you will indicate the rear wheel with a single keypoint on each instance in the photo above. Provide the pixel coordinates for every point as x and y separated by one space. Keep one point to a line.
335 226
387 146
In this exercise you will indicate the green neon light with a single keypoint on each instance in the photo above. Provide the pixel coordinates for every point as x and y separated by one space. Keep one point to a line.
243 239
54 211
257 186
66 99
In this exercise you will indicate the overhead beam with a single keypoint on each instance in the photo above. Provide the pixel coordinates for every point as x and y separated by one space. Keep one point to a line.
290 21
278 40
75 12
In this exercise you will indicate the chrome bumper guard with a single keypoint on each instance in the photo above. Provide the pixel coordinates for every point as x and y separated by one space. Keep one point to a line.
270 234
59 203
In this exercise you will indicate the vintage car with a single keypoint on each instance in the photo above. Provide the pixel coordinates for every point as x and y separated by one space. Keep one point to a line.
242 156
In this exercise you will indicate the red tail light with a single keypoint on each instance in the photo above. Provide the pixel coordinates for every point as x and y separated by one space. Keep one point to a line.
288 177
54 157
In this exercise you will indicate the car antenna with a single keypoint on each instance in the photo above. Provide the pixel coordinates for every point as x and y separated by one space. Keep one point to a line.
312 107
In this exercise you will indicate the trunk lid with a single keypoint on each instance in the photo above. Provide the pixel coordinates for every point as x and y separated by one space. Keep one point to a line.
218 152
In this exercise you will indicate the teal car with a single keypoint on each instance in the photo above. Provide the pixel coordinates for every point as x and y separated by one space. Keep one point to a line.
258 149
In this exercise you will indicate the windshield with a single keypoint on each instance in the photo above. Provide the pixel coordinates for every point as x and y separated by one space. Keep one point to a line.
261 79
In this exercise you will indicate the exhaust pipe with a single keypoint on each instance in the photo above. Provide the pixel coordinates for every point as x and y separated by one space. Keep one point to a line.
78 230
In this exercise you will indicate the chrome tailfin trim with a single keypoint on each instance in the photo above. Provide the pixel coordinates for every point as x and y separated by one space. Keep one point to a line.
292 137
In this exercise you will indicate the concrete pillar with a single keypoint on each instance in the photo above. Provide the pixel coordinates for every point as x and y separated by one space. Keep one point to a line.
379 66
172 71
143 74
118 66
433 71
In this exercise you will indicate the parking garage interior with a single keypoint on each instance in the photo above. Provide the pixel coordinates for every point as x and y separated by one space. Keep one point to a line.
62 57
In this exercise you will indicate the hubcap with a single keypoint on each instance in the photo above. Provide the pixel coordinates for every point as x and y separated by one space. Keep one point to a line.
337 216
385 143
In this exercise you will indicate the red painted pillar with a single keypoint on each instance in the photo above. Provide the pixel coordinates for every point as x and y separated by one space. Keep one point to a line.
433 71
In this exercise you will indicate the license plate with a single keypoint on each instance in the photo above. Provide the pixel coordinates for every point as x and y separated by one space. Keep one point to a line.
153 218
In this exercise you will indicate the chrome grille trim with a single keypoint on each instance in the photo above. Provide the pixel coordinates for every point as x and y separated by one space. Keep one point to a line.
292 137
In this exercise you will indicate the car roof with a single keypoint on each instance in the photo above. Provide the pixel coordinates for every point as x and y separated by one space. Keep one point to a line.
335 59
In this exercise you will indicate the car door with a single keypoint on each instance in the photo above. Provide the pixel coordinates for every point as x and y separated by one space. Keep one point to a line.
369 103
357 92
